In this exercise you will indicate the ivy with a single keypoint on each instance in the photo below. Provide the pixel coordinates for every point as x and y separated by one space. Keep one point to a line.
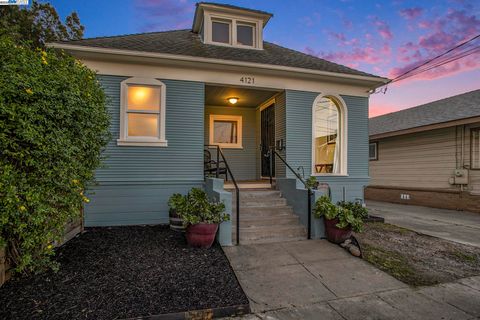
53 127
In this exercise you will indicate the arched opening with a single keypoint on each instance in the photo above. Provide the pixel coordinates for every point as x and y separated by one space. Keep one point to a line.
328 136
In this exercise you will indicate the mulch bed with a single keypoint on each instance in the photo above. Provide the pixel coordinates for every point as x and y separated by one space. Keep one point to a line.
124 272
417 259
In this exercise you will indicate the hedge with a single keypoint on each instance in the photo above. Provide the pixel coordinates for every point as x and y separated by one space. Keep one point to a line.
53 128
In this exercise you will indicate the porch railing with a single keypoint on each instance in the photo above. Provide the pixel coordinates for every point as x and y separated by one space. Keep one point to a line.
237 189
272 154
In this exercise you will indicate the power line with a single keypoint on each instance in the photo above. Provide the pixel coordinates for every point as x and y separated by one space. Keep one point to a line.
439 56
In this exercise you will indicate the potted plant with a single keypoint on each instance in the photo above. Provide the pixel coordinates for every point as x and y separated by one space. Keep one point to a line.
201 218
176 203
339 221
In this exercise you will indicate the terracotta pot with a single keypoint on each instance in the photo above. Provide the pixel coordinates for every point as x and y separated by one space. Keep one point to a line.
176 223
334 233
201 235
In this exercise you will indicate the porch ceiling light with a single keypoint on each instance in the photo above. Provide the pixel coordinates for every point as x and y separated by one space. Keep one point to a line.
232 100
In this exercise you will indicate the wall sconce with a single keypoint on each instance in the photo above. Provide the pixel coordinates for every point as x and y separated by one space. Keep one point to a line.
232 100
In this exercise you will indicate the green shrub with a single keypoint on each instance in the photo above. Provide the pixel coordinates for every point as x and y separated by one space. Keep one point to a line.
53 127
346 218
195 207
359 211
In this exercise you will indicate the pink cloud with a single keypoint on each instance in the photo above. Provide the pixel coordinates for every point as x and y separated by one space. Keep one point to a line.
383 29
377 109
353 59
411 13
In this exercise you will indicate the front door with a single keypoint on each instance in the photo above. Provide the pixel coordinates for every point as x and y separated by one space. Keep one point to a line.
267 123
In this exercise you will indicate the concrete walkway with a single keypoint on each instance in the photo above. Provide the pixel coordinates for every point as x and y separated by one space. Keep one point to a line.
318 280
459 226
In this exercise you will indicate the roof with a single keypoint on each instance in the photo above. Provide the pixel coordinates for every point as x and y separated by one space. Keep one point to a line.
188 43
462 106
229 6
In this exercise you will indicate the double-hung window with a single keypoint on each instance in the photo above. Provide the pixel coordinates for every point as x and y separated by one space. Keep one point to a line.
142 117
373 151
475 148
233 32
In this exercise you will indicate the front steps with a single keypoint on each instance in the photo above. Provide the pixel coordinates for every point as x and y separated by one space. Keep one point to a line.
265 217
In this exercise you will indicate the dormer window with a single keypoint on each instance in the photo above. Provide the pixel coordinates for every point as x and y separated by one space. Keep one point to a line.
227 25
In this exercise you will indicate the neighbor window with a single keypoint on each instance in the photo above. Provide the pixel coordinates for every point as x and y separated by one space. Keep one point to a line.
245 34
226 131
327 136
221 31
142 118
475 149
373 151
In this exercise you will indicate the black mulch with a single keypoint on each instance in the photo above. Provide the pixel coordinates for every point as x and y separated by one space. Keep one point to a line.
124 272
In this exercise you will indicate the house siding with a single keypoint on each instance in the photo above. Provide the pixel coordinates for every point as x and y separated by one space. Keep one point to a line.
299 143
136 182
280 131
423 160
242 162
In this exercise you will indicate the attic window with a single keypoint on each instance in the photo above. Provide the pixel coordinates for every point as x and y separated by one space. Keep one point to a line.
221 31
245 34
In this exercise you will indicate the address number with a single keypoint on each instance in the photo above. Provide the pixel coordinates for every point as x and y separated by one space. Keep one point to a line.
247 80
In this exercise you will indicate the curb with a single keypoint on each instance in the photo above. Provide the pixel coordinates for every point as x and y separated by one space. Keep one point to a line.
204 314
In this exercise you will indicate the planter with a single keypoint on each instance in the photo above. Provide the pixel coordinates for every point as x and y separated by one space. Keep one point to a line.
176 223
334 233
201 235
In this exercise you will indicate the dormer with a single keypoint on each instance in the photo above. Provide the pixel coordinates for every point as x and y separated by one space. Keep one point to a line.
232 26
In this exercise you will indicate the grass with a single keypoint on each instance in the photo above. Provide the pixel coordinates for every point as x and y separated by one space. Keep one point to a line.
465 257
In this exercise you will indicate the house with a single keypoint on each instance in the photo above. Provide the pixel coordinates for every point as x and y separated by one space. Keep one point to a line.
219 83
428 155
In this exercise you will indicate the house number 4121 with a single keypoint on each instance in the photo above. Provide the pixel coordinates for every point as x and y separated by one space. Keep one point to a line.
247 80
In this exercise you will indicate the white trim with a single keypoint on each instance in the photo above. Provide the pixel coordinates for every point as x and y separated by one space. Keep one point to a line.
124 139
343 135
238 119
255 66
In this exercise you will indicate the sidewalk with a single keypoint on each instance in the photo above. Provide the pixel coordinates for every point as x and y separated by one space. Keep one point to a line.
318 280
458 226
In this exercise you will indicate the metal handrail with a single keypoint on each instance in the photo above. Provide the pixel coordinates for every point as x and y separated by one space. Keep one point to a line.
273 152
237 189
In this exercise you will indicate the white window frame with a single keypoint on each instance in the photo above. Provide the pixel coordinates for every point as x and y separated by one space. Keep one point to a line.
230 31
376 151
233 20
124 139
342 106
238 119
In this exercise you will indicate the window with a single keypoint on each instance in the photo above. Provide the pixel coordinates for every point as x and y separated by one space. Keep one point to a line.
245 35
475 148
328 137
373 151
221 31
142 117
226 131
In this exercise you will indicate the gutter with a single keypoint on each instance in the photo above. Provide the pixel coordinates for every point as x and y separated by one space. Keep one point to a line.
132 53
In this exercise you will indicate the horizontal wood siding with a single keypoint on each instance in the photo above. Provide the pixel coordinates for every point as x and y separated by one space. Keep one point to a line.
242 162
299 143
135 182
423 160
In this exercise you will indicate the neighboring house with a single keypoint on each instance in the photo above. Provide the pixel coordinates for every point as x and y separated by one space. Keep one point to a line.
428 155
172 92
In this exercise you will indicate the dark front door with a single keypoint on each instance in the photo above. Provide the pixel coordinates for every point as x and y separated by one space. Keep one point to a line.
267 120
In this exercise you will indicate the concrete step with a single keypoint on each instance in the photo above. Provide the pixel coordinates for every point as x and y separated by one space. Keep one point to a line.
258 194
250 221
270 233
265 202
265 211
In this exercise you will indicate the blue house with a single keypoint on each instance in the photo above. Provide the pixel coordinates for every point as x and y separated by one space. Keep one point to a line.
175 95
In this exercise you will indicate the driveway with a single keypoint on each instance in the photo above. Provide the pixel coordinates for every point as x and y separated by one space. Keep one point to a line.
315 279
458 226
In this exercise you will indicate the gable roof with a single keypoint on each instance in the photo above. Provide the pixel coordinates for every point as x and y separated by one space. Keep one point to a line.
188 43
230 6
462 106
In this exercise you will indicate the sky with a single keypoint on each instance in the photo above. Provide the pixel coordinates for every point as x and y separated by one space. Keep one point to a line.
384 38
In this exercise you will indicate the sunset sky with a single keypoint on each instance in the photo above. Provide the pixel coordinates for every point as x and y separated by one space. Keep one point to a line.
380 37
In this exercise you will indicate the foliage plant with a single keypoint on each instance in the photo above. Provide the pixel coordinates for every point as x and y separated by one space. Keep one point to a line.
53 127
38 24
346 218
358 210
312 182
195 207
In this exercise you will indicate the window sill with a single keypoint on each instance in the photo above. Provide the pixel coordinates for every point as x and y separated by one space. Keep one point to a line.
142 143
330 175
239 147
